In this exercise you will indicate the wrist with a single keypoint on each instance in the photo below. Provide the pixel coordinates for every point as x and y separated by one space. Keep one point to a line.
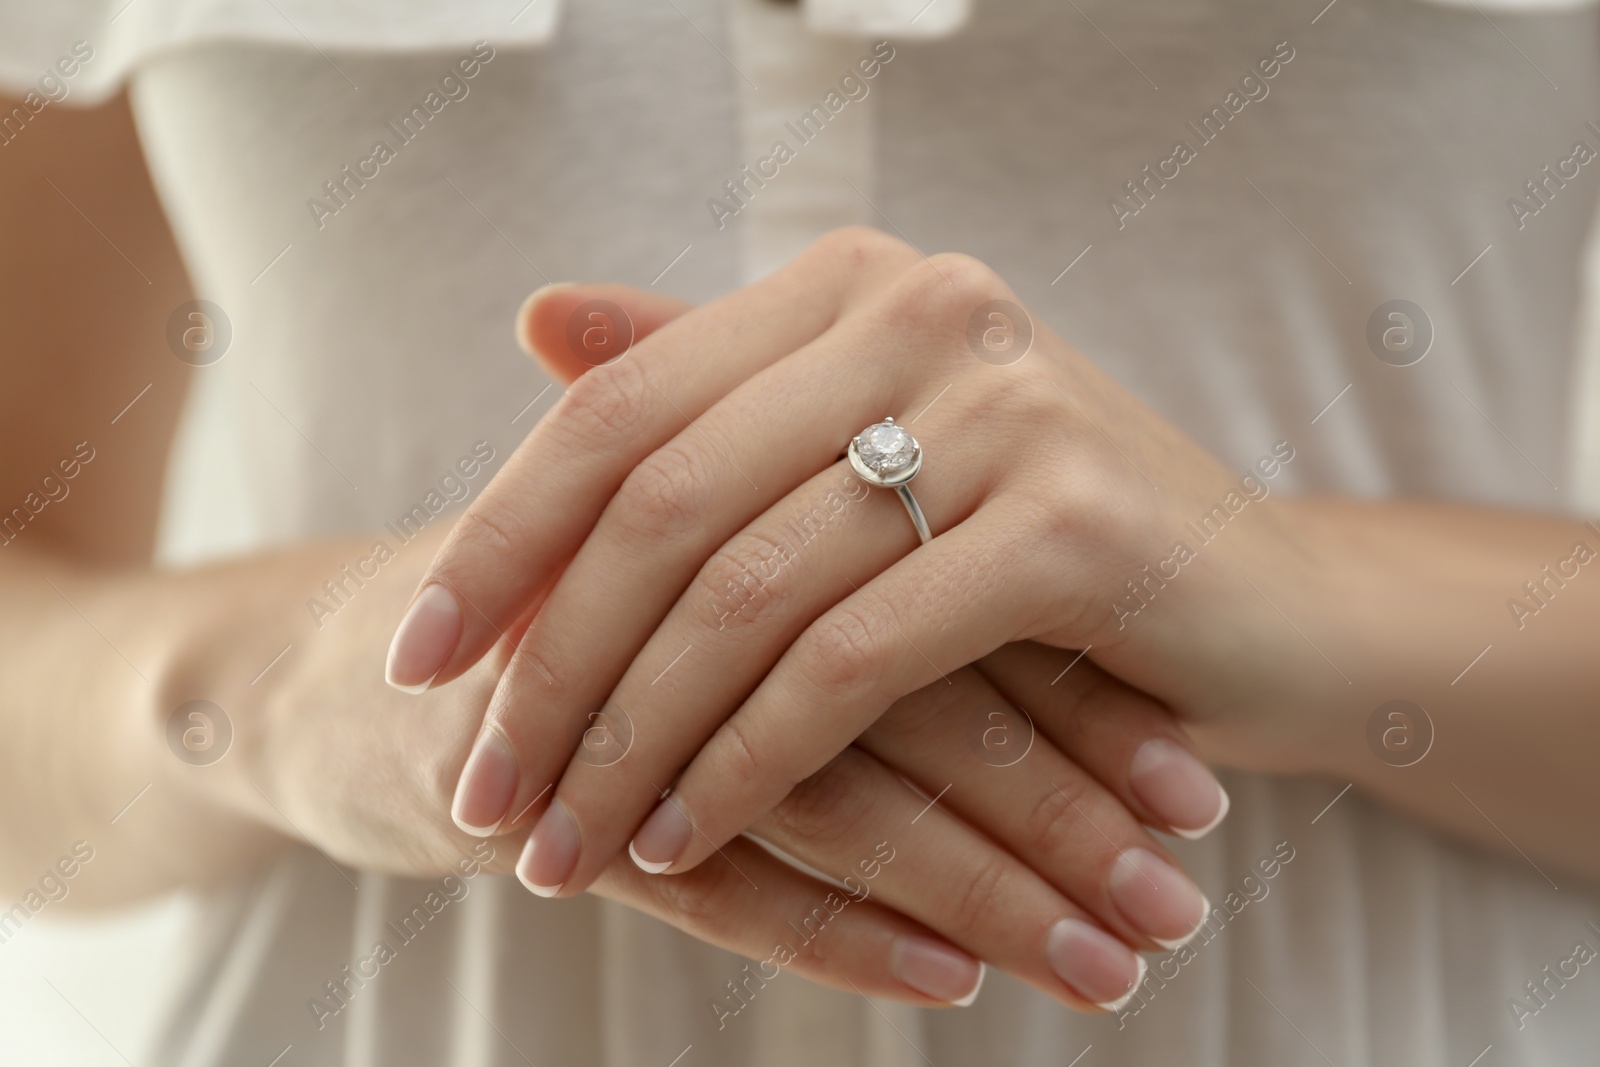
149 807
1272 678
1398 606
216 714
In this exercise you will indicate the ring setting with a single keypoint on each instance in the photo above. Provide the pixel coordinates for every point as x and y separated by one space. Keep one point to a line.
887 456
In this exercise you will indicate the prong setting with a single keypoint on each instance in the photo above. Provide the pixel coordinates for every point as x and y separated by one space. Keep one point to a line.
885 455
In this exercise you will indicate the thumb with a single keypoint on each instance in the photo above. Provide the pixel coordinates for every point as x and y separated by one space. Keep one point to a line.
569 327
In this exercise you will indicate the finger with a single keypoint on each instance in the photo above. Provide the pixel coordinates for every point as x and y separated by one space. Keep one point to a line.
870 949
1035 801
712 649
1120 735
572 327
681 505
589 639
747 604
931 613
515 538
855 817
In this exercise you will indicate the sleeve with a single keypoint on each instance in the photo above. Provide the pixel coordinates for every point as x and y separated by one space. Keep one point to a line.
81 51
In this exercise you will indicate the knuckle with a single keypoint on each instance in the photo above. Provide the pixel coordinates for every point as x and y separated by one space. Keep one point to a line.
825 810
1088 508
1026 398
939 296
916 722
824 955
968 280
851 262
1070 713
738 760
1054 825
666 495
743 574
855 246
488 525
538 664
703 902
607 402
980 892
931 717
841 654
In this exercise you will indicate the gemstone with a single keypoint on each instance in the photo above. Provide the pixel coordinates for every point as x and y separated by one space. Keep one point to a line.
886 449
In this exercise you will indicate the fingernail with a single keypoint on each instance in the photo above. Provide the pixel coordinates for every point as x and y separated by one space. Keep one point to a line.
662 838
1205 917
944 973
488 784
1096 965
1177 788
425 639
1157 898
551 852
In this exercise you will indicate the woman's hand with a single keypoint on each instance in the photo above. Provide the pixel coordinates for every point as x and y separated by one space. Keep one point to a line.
921 822
694 546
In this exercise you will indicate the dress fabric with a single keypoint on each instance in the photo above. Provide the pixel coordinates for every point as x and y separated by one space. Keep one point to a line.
1374 165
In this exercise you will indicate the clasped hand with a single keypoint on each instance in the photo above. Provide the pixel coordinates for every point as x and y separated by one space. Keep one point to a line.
719 629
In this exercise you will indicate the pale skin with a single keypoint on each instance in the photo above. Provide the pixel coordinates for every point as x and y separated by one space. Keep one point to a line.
1274 644
115 645
99 648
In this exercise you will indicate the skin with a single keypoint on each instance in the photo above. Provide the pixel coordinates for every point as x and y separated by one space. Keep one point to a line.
1324 605
325 754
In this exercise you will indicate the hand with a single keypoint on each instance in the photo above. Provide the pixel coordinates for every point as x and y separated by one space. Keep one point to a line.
622 543
364 774
327 754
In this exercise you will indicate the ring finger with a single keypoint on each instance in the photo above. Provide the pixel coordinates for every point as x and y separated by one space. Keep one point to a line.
748 603
672 512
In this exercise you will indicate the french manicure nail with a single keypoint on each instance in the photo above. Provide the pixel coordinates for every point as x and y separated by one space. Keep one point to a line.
1177 943
426 638
944 973
662 838
1177 787
1157 898
487 786
1096 965
551 852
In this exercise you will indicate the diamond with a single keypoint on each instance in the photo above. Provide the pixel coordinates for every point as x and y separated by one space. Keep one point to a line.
886 449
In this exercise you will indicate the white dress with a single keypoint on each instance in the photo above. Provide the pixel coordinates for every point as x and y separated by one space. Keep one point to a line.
1375 164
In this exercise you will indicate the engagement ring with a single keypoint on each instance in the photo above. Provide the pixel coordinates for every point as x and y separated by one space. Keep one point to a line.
887 456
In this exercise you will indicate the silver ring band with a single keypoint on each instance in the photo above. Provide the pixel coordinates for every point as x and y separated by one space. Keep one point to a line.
887 456
918 519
